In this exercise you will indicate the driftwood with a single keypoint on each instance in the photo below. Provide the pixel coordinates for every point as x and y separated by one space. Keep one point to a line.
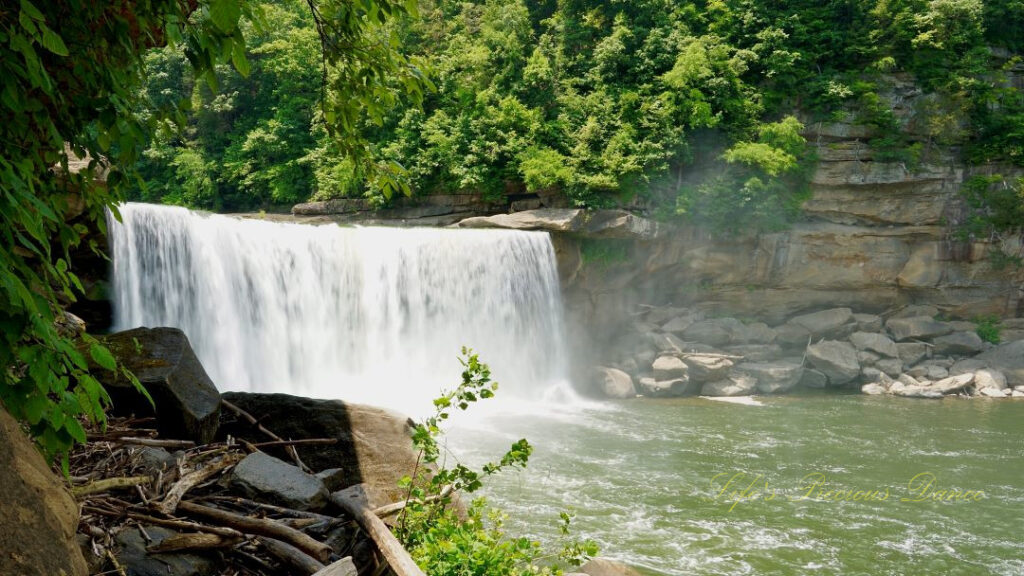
185 525
261 527
109 484
245 502
300 442
252 420
708 355
292 556
194 541
154 442
353 500
193 479
343 567
389 509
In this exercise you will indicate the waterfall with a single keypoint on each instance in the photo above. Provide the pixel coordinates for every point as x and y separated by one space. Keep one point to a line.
363 314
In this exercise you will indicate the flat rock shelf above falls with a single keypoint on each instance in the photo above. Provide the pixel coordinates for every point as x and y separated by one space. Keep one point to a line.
376 315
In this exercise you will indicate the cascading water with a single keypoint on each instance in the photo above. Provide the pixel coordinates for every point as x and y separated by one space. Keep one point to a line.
365 314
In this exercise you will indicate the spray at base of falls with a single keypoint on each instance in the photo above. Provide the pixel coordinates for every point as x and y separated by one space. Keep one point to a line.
374 315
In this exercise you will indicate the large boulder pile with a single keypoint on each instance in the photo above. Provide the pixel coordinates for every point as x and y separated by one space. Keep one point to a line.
913 352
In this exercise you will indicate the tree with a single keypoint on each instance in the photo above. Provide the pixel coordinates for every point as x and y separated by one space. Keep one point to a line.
72 73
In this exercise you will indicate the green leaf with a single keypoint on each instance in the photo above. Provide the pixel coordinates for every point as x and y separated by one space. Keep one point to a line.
102 356
31 10
53 42
225 14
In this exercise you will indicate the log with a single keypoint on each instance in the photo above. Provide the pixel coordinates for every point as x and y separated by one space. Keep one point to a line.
291 555
193 541
239 501
193 479
260 527
154 442
353 500
343 567
109 484
185 525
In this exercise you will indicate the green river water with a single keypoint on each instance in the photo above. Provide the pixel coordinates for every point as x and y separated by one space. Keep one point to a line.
649 481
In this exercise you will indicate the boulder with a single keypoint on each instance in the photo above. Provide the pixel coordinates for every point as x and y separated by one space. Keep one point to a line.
754 333
890 366
154 460
792 335
707 368
668 388
917 327
967 365
988 378
266 478
773 377
878 343
374 445
679 324
669 368
916 310
607 567
667 343
663 314
959 343
868 322
715 332
187 404
37 514
734 385
812 378
914 391
756 352
333 479
952 383
908 380
993 393
911 353
132 555
872 389
867 358
928 371
614 383
1007 358
837 360
825 322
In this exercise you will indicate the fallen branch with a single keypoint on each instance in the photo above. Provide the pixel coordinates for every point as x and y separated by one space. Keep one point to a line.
252 420
191 480
261 527
194 541
291 555
353 500
389 509
185 525
154 442
109 484
239 501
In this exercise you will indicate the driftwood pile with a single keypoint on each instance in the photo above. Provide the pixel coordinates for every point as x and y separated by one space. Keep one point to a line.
127 478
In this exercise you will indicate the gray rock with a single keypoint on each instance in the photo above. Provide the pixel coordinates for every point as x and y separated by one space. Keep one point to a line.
1017 394
928 371
707 368
867 358
966 365
993 393
152 460
1007 358
878 343
953 383
773 377
870 373
716 332
908 380
918 327
911 353
959 343
734 385
679 324
264 477
825 322
792 335
132 555
890 366
915 392
988 378
755 352
668 388
333 479
187 403
962 326
607 567
868 322
644 327
872 389
837 360
664 314
667 343
915 310
669 368
755 333
812 378
613 383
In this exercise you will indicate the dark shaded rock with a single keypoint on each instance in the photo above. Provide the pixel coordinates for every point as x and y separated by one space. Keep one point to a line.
890 366
187 402
715 332
812 378
668 388
825 322
266 478
333 479
374 445
613 383
959 343
836 360
667 343
911 353
153 460
38 517
136 561
707 368
874 342
868 322
755 352
792 335
916 310
754 333
918 327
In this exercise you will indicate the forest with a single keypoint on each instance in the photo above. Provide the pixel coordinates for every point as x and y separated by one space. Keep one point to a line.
691 109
